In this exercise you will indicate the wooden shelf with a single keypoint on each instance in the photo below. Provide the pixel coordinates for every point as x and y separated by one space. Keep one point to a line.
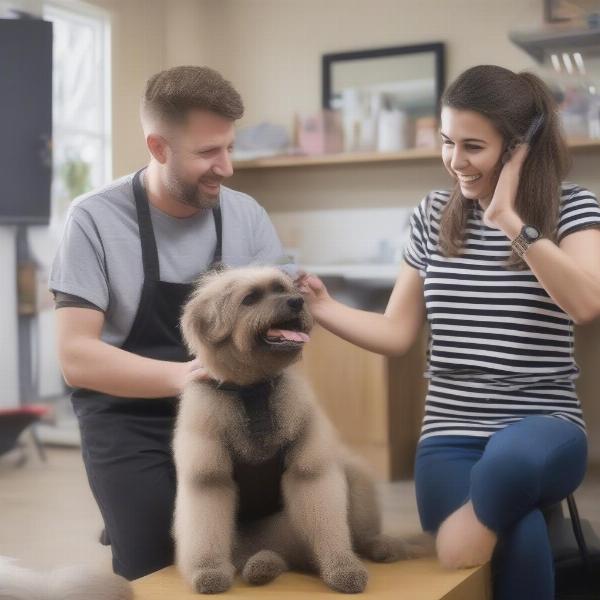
584 144
299 160
413 154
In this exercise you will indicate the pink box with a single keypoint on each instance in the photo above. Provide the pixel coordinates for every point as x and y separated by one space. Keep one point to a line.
320 133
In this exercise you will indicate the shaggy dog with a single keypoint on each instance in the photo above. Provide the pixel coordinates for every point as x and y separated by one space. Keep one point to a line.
263 483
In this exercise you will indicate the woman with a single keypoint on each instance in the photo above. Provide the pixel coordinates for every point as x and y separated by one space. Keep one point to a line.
501 267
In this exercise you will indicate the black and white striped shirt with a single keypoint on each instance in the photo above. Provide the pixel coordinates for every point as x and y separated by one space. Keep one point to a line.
499 348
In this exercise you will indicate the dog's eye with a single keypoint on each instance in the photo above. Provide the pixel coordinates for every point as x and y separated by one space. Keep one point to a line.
252 297
278 288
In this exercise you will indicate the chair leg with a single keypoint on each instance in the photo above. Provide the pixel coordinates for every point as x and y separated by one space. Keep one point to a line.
22 457
38 444
578 532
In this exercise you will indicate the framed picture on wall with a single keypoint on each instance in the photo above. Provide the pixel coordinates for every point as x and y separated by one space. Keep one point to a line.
387 97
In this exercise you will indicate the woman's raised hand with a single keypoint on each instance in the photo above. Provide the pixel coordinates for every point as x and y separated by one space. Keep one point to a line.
501 212
312 288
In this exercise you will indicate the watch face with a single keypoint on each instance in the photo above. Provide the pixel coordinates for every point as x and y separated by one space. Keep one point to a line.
531 233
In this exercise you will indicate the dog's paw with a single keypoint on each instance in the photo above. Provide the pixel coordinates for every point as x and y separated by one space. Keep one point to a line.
387 548
263 567
213 580
347 575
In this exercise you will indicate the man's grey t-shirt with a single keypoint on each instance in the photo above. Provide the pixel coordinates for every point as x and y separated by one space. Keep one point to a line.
99 257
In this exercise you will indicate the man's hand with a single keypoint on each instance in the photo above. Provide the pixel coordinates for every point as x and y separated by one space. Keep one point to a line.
90 363
190 371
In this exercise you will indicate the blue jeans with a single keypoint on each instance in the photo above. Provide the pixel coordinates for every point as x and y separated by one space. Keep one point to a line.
508 477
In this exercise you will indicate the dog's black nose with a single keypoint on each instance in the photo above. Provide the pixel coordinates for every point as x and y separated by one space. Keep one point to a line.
296 303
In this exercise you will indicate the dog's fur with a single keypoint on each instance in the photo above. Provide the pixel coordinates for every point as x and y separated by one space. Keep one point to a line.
330 512
68 583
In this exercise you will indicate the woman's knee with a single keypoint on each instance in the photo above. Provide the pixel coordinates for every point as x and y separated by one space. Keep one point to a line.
540 461
503 485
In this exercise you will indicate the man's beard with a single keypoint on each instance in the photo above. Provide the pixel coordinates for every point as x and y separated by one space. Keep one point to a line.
190 194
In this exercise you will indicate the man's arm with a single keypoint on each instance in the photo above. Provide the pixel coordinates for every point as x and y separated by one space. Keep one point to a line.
88 362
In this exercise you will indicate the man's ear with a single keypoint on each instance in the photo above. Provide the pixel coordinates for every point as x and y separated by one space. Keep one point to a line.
157 145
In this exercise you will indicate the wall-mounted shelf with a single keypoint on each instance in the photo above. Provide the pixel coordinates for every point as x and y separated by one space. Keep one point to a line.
584 144
413 154
299 160
538 44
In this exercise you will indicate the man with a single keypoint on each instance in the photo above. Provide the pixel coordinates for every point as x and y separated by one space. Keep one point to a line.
127 261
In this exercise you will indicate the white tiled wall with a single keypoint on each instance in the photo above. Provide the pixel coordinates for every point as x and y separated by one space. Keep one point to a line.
361 235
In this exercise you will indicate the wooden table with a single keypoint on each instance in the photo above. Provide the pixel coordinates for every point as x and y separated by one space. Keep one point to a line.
421 579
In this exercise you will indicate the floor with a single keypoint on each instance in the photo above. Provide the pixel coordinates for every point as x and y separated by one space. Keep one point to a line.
48 516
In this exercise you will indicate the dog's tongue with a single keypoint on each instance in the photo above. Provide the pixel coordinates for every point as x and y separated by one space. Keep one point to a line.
294 336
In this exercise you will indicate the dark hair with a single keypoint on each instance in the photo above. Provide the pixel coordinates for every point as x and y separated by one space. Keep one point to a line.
170 94
511 101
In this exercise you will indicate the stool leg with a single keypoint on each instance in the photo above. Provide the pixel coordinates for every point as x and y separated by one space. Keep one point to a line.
38 445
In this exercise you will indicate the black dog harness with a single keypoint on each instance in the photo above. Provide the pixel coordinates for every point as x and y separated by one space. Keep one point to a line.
258 483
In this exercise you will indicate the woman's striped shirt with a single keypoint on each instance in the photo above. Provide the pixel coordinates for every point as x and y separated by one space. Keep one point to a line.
499 348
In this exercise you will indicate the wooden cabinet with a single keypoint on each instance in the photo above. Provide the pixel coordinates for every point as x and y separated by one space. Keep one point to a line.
375 402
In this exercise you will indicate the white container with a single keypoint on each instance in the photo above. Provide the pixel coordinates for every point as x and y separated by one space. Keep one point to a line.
351 118
391 135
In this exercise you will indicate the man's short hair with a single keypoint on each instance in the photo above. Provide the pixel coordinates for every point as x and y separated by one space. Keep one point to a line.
172 93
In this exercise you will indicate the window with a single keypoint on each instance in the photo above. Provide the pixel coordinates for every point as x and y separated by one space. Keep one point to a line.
81 114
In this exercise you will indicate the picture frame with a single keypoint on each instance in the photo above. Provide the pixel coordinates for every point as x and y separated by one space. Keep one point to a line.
330 61
388 98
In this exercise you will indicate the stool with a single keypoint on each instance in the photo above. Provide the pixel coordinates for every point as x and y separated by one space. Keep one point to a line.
14 421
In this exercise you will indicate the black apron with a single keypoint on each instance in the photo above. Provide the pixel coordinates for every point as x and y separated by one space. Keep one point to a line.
126 442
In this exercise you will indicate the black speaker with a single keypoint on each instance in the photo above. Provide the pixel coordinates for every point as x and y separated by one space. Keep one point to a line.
25 121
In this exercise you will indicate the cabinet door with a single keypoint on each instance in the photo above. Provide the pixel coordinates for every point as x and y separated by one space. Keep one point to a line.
376 403
25 120
351 385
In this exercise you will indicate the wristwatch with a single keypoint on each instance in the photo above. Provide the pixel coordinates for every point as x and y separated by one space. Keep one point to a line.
526 237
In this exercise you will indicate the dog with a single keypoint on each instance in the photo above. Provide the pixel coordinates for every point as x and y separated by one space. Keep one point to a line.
264 485
67 583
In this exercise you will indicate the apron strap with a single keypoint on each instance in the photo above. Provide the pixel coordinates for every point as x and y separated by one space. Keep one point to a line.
147 238
148 241
218 256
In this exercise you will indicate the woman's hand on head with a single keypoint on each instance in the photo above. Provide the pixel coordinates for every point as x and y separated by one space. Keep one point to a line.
312 288
501 212
516 158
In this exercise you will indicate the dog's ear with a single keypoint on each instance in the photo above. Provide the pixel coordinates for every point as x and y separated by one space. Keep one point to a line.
206 318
